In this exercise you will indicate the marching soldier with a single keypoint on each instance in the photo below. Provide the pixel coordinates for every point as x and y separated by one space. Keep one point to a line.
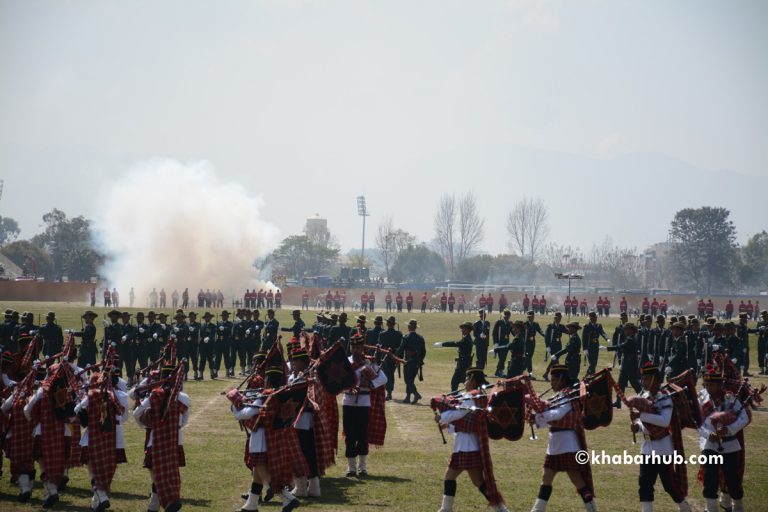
501 330
373 334
156 337
113 332
340 331
413 350
181 332
24 332
53 337
253 340
464 358
480 330
142 337
194 343
566 438
657 429
223 345
126 348
742 331
470 450
762 340
391 339
721 434
552 338
207 344
271 328
517 344
572 351
87 354
628 372
678 352
237 349
530 329
660 336
592 332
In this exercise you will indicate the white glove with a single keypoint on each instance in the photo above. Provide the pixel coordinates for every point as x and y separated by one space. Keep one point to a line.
257 328
68 331
124 338
715 347
248 331
603 348
163 326
191 329
553 357
33 332
221 328
734 360
206 339
549 350
668 370
745 350
698 361
438 343
482 336
154 336
141 330
175 329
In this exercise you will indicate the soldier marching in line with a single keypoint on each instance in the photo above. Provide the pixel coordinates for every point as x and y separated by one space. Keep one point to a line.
413 349
530 328
572 351
552 339
591 339
628 372
208 333
52 335
224 346
464 356
481 329
501 330
390 339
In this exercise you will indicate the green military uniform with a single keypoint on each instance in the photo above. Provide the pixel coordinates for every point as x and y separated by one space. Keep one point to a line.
391 339
271 328
126 347
572 352
591 341
413 349
762 340
207 345
517 352
501 330
481 329
530 328
464 357
193 327
553 338
142 337
53 336
223 346
677 362
629 372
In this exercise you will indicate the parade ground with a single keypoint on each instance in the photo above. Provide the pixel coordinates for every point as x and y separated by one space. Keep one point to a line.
406 474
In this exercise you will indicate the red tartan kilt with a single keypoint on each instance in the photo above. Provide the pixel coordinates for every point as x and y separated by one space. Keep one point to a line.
120 457
563 462
148 458
255 458
37 450
466 460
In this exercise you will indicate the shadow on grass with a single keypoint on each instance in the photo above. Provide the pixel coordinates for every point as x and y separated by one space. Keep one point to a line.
87 493
335 489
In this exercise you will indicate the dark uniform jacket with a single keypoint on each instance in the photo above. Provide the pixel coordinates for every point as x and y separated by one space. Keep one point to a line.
53 338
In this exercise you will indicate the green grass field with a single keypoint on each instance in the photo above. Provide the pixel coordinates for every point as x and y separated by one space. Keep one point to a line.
407 473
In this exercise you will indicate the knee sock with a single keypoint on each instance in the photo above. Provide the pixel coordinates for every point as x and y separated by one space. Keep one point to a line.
154 487
545 491
449 487
256 488
586 494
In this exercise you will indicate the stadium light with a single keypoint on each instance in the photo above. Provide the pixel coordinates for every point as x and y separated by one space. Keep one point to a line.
362 210
569 276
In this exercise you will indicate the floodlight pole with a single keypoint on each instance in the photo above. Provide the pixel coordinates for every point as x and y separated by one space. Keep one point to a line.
362 210
569 276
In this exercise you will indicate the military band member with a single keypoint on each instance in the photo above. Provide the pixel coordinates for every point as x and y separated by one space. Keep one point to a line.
628 372
470 447
660 336
254 338
362 414
530 329
677 361
658 432
562 415
572 351
501 330
376 330
157 335
298 324
480 330
413 350
142 337
180 331
194 344
722 434
552 338
464 356
306 426
591 340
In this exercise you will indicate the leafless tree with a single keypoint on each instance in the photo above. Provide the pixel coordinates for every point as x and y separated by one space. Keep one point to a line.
527 225
445 229
391 242
458 228
470 226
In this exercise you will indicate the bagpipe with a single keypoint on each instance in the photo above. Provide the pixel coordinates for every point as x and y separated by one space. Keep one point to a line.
504 405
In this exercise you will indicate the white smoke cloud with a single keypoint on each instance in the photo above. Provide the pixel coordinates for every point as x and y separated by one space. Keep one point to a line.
172 225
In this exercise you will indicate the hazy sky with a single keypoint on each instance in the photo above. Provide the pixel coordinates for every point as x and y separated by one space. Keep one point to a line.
617 113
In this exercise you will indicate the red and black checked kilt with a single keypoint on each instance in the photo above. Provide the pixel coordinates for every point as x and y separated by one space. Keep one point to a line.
37 450
466 460
148 457
20 447
120 457
563 462
255 458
